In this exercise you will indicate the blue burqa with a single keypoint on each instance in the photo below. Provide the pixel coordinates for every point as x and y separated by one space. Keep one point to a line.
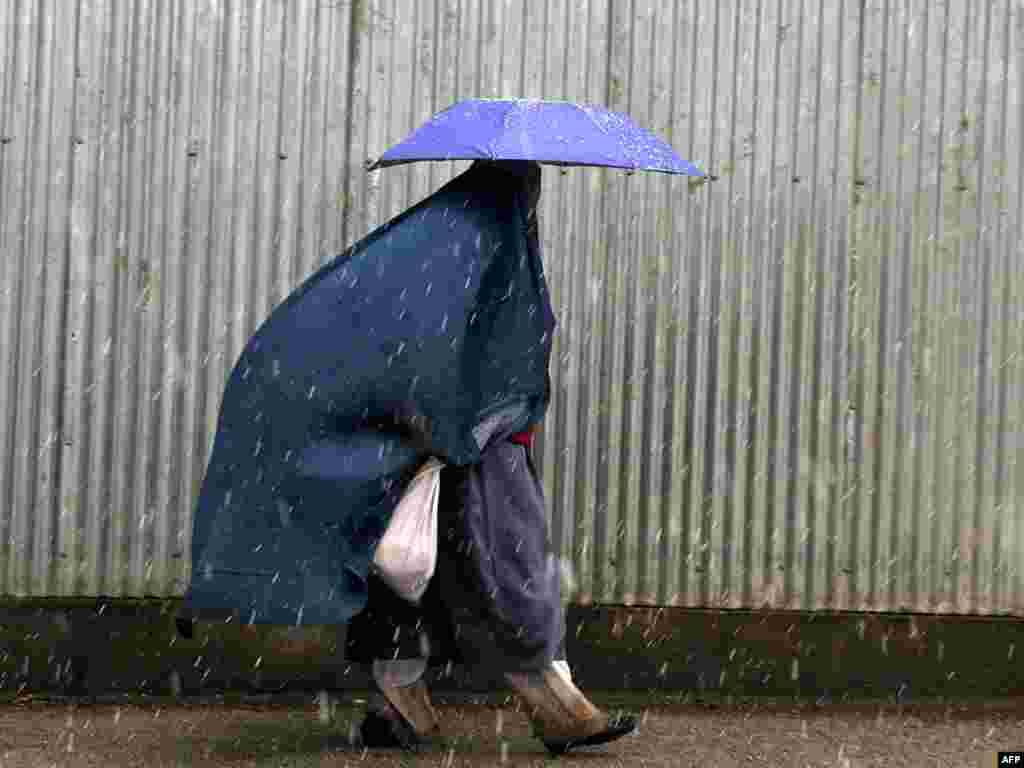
398 349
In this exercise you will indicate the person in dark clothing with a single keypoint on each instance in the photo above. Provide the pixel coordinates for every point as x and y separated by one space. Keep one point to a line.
458 622
430 337
494 600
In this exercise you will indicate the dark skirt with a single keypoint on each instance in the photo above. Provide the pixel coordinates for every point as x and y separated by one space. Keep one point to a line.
493 599
392 628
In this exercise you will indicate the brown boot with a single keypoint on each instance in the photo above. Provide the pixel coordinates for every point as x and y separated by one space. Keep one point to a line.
414 704
562 716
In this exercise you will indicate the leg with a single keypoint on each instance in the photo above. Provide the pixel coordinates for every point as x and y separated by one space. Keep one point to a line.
562 715
503 506
403 715
398 673
396 637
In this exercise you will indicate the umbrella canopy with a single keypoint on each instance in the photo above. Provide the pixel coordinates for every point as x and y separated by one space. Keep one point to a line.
551 132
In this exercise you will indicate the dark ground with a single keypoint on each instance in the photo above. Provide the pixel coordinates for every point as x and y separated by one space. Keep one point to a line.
88 683
489 731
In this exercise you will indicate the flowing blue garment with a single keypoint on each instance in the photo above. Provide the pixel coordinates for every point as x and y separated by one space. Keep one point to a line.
398 349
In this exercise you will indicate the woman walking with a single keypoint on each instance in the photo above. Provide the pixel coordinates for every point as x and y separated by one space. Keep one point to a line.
494 601
431 337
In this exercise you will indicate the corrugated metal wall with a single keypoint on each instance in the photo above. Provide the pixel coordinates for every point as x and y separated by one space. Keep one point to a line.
798 385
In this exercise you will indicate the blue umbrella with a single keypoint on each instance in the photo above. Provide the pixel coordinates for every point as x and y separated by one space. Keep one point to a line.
551 132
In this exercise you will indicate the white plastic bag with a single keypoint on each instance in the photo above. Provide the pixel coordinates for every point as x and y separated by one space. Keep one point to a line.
407 553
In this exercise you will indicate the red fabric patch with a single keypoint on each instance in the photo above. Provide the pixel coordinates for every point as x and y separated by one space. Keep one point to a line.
523 438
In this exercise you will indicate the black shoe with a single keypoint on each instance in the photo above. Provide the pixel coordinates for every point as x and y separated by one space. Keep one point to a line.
385 728
618 726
